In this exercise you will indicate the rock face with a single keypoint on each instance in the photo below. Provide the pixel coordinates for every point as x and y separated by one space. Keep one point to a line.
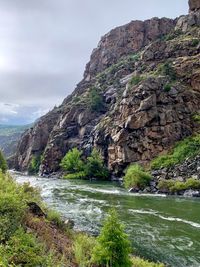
194 5
148 75
125 40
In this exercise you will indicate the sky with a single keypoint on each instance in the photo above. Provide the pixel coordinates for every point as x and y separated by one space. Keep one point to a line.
45 45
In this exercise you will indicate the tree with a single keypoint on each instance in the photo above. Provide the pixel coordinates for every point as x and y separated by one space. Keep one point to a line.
3 163
95 100
72 161
95 167
113 247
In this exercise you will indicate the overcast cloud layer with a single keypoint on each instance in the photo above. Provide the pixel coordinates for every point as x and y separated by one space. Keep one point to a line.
45 44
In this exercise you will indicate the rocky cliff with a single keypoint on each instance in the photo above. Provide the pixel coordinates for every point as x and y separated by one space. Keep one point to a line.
148 74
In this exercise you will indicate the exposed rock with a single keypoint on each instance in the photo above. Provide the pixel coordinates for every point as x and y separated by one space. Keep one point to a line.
141 118
194 5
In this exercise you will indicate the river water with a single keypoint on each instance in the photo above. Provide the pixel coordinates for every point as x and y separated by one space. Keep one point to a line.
161 228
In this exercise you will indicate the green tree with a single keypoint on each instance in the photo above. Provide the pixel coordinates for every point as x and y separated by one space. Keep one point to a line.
113 247
3 163
72 161
136 177
95 100
95 167
34 165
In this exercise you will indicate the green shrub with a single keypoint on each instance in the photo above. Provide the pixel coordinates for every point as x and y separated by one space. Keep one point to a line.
94 167
177 186
195 42
168 70
3 163
137 262
72 161
54 217
189 147
136 177
113 247
83 247
24 250
34 165
167 87
95 100
135 80
77 175
196 117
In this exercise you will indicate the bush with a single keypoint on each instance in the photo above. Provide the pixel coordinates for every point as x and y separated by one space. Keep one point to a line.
135 80
137 262
72 161
24 250
168 70
34 165
3 163
177 186
54 217
77 175
167 87
189 147
94 167
195 42
95 100
83 247
113 247
136 177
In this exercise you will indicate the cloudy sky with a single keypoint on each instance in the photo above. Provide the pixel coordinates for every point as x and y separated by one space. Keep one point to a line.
45 44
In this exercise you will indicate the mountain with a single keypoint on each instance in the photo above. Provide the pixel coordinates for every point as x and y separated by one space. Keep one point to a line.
9 137
138 97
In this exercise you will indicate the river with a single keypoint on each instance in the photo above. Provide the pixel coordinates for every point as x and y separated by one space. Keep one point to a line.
160 228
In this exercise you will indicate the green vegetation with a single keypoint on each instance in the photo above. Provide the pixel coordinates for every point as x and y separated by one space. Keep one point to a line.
72 162
135 80
34 165
83 249
94 166
113 247
196 117
189 147
177 186
168 70
54 217
18 248
136 177
3 163
167 87
137 262
95 100
76 168
195 42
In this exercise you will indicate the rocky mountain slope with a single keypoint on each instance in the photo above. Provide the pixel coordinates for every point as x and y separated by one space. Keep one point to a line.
148 75
9 137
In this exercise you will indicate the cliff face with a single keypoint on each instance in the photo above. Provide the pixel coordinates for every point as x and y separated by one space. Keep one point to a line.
148 74
194 5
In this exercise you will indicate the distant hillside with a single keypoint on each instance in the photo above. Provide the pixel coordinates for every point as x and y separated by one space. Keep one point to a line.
9 137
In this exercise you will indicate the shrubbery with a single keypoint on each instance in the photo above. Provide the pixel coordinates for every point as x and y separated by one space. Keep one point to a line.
34 165
137 262
113 247
136 177
18 248
3 163
177 186
83 249
76 168
135 80
95 100
189 147
72 162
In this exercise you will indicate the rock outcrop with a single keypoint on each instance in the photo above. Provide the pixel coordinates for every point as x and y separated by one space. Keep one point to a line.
194 5
148 74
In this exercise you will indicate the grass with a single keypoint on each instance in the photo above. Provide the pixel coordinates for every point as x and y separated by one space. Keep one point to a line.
137 262
187 148
135 80
177 186
136 177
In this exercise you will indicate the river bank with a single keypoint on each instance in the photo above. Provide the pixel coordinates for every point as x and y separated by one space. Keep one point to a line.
160 227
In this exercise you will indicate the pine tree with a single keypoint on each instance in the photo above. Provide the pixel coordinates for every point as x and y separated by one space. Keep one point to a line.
113 247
